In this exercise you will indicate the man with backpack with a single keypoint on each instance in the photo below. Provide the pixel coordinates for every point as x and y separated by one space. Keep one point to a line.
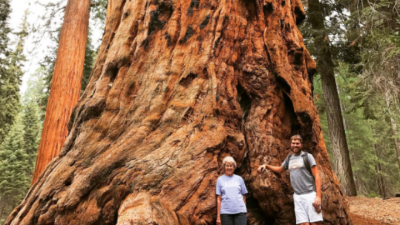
305 181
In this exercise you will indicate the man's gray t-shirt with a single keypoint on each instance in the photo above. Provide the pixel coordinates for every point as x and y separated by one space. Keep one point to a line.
231 189
301 179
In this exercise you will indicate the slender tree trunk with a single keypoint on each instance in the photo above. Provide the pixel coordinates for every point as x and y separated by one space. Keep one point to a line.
398 101
342 164
66 82
2 207
379 178
380 181
177 86
342 106
358 182
393 128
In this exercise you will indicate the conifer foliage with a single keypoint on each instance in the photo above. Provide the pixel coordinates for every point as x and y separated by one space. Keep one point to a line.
32 125
90 56
18 154
368 130
20 127
364 47
11 81
6 119
14 167
376 38
4 30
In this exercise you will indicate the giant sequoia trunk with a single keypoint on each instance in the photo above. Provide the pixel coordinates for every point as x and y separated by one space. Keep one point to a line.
177 86
66 83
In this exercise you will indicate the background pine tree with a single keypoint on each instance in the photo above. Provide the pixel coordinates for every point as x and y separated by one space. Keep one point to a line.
5 120
368 131
18 152
11 81
90 57
5 11
32 126
14 166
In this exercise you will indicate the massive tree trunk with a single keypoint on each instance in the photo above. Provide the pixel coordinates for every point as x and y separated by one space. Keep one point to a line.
342 164
66 83
177 86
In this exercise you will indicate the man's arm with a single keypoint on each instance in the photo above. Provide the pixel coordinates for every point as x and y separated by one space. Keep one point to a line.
317 202
275 169
218 209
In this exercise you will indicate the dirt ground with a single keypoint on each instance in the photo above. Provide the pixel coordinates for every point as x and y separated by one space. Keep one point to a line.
374 211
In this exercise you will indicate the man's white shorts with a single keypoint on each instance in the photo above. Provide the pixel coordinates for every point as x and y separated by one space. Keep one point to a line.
304 209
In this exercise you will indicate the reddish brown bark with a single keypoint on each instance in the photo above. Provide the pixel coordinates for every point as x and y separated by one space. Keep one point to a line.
66 82
177 86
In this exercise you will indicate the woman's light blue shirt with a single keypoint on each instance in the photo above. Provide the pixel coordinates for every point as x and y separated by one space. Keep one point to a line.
231 189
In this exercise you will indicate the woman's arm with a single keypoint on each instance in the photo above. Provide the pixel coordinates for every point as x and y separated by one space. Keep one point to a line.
244 199
218 209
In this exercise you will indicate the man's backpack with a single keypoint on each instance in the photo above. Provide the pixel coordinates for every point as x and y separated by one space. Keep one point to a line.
305 159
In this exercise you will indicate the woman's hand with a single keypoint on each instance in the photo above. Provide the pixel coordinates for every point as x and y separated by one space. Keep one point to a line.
261 168
218 220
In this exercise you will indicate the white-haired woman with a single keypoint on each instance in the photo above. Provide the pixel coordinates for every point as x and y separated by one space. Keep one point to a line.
231 200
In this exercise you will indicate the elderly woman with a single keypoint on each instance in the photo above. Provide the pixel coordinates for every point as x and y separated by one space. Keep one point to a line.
231 200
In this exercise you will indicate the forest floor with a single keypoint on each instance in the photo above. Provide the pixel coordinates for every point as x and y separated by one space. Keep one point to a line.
374 211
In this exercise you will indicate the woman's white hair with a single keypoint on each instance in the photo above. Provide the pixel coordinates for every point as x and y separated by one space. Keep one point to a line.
228 159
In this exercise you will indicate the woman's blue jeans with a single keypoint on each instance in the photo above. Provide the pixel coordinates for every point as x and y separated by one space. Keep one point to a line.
234 219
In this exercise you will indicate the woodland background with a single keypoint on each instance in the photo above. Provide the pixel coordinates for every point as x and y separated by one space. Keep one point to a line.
357 41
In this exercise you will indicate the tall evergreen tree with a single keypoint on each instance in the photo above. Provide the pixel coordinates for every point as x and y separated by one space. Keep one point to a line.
5 11
14 166
324 53
98 11
5 118
18 152
36 90
368 132
32 117
393 125
49 62
47 68
67 77
97 20
90 56
380 54
9 92
387 171
32 126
